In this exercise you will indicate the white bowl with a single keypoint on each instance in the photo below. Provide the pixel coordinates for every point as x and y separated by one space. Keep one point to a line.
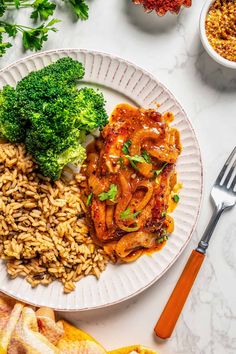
217 57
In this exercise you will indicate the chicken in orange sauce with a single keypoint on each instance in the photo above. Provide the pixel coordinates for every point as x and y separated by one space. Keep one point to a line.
131 177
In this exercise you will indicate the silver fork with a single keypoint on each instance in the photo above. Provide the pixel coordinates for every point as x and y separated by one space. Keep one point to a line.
223 195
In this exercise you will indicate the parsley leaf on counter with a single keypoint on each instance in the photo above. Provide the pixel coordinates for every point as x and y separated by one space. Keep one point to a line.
110 195
80 8
33 38
3 45
43 9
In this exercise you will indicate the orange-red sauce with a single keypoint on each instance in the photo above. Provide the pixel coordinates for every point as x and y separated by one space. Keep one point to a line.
138 187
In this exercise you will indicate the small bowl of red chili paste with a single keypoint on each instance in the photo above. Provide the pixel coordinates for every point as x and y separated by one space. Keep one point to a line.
163 6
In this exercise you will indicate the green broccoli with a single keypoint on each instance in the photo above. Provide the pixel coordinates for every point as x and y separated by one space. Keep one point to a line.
10 125
91 113
50 114
44 138
43 87
51 164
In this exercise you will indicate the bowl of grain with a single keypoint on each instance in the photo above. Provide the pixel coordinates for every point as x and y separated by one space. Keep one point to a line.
218 31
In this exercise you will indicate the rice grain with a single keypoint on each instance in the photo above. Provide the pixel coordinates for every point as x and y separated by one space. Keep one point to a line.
43 233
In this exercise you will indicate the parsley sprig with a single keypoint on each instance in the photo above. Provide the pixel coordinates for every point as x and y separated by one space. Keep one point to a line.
176 198
158 172
34 37
126 214
125 148
43 9
134 160
146 156
89 199
80 8
110 195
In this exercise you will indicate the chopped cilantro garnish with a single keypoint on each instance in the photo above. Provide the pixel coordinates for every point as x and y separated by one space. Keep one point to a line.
134 159
110 195
89 199
163 213
158 172
126 146
121 161
176 198
146 156
126 214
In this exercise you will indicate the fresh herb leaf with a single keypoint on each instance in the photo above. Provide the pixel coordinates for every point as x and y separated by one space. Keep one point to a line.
110 195
3 8
43 9
133 164
3 45
17 3
158 172
125 148
11 29
146 156
33 38
163 214
126 214
121 161
134 159
176 198
89 199
80 8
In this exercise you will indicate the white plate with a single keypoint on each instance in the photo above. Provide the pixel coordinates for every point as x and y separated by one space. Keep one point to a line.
120 82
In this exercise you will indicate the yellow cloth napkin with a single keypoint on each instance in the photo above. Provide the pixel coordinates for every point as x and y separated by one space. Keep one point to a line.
24 330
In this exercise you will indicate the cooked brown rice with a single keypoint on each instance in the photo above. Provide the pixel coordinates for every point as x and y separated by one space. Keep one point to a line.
43 234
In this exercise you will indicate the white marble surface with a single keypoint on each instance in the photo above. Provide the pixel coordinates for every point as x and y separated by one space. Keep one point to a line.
170 48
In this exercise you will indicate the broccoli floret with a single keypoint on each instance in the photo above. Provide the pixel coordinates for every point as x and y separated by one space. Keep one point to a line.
91 113
56 116
10 125
43 87
65 70
51 164
43 138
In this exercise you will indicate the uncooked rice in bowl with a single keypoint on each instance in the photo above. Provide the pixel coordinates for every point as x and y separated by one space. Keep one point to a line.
43 232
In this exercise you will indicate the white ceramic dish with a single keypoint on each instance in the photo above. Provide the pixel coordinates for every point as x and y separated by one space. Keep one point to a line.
218 58
120 81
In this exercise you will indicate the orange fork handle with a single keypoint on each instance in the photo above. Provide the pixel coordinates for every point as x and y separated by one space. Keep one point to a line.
175 304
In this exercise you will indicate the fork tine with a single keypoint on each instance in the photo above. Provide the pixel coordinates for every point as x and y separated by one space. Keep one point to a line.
229 175
222 172
233 184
